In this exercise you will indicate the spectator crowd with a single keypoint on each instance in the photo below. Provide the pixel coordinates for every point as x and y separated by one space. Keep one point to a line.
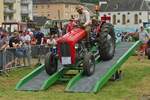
23 41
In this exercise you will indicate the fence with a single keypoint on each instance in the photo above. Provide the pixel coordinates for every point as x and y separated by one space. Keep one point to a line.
9 58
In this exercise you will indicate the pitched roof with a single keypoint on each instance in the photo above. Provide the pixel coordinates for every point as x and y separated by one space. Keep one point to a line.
126 5
55 1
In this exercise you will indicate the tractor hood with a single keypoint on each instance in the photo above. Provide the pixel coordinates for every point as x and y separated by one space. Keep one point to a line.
74 36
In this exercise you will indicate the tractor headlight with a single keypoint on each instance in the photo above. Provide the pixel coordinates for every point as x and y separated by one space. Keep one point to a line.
54 47
76 46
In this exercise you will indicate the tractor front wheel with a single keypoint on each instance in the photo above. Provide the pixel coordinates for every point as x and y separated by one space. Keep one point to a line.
88 64
51 63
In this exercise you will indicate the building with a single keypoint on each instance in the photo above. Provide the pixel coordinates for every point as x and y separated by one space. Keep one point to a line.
26 10
11 10
55 9
126 13
16 10
1 11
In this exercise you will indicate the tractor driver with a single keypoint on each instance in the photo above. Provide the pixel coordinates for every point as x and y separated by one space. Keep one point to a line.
84 19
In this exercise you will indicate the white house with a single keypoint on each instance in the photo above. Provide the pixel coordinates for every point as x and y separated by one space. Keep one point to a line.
126 13
26 9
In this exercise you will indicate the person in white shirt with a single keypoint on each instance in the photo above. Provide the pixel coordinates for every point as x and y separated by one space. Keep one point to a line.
26 39
84 19
84 16
143 37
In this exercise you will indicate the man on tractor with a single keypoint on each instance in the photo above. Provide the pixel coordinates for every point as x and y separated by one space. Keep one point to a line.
84 20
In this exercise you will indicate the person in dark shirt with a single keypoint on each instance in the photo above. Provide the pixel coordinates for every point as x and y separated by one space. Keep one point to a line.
39 36
14 40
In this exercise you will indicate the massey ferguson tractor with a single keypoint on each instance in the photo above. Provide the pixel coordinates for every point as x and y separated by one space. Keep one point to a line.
74 51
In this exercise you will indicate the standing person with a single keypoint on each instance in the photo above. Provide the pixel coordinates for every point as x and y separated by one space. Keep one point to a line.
84 19
49 41
143 37
15 42
26 39
39 35
4 41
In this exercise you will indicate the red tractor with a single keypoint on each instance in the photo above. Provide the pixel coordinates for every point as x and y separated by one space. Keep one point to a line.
73 50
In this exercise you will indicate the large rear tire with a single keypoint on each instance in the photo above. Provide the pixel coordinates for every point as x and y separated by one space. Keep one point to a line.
148 52
51 63
107 42
88 64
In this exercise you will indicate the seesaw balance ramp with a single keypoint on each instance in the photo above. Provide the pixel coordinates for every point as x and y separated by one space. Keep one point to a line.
103 70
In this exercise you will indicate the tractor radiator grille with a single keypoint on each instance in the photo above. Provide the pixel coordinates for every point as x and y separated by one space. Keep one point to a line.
65 50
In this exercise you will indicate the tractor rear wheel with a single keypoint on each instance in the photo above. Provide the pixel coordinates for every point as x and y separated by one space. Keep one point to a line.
107 42
88 64
51 63
148 52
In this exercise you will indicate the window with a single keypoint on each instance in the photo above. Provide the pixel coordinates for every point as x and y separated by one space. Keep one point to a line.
114 19
5 17
109 13
116 6
140 21
10 17
128 13
123 19
128 21
118 13
42 6
48 15
135 19
118 21
24 18
66 14
66 6
140 13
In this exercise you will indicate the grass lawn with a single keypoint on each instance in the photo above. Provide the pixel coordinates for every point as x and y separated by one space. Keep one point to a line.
135 84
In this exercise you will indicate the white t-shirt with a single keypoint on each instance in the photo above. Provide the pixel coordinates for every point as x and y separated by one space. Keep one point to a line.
85 17
143 36
26 38
51 41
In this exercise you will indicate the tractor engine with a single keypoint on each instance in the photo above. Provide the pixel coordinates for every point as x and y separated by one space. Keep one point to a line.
67 46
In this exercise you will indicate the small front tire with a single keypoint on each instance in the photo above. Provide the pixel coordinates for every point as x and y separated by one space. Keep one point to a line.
88 64
51 63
